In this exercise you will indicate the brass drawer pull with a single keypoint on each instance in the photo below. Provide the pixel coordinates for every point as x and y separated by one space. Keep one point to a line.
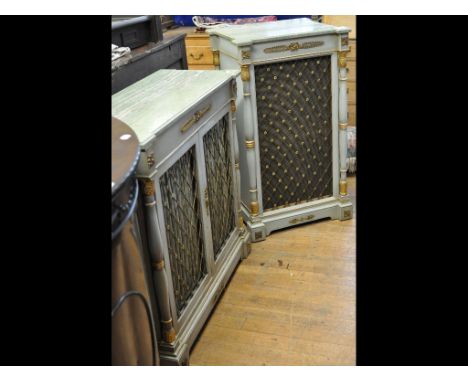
196 117
195 57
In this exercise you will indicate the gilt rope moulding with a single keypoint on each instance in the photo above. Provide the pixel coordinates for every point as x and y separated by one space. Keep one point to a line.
190 215
292 106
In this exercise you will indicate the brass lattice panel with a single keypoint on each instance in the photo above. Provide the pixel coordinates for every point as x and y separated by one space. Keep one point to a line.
184 231
220 183
295 130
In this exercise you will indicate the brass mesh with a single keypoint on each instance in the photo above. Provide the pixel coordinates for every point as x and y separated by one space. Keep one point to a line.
295 130
220 184
184 231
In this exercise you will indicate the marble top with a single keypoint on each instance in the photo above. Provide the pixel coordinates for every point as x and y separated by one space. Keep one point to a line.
151 104
248 34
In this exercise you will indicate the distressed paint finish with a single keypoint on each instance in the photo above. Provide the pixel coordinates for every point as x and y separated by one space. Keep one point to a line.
158 108
235 147
251 34
152 104
272 43
156 254
250 144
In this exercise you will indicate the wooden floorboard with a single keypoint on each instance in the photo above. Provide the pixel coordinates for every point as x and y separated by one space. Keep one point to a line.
291 302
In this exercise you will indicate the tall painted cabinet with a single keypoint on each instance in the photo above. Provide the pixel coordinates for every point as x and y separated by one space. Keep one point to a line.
292 120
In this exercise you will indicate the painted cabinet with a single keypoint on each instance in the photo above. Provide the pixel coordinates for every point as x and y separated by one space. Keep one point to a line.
292 109
349 21
189 176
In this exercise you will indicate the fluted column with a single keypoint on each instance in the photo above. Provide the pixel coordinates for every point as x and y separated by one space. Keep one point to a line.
157 260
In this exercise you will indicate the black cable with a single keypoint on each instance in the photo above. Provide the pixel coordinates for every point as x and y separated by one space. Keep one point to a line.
119 303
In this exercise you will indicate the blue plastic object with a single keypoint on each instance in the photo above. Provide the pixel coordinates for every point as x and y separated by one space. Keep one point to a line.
187 20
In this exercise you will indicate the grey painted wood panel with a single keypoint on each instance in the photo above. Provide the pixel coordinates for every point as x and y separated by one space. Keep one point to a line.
171 111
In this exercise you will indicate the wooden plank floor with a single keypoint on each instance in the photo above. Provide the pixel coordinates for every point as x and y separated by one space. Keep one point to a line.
291 302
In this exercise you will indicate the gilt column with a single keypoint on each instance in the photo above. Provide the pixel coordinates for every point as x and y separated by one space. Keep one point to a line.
240 221
342 120
236 151
157 261
250 143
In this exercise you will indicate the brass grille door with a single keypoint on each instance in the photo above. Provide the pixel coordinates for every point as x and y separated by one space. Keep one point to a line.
295 130
220 183
184 231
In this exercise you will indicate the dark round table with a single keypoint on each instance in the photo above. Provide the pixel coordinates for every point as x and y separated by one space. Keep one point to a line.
125 155
133 331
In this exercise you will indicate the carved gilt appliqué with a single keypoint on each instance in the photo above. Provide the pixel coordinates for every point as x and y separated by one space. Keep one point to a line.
293 47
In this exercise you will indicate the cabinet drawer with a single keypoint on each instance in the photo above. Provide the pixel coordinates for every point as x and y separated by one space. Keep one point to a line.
199 55
351 92
351 66
201 67
197 40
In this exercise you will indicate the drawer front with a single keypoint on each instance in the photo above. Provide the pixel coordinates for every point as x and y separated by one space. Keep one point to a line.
183 224
352 115
217 148
202 67
351 92
294 112
199 55
197 41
